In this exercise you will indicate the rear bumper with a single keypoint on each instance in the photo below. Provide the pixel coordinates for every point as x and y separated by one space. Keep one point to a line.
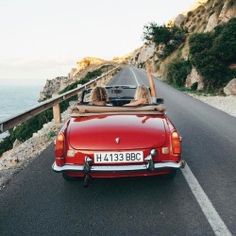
120 168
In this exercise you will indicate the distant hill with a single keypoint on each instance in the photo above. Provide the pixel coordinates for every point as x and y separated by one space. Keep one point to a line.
84 67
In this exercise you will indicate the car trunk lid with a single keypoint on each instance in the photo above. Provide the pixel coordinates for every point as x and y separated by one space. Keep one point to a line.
116 132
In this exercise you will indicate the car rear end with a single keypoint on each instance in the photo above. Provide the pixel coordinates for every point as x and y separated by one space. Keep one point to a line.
113 146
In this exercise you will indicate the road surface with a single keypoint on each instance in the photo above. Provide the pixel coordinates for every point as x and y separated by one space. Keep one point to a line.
200 201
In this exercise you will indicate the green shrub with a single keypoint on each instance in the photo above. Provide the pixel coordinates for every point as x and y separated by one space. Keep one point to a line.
172 37
6 144
225 42
156 34
200 43
177 72
211 54
27 128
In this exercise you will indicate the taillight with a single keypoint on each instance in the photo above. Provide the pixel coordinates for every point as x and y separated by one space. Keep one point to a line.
176 143
60 149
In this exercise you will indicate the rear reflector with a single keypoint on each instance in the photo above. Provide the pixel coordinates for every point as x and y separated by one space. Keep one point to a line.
165 150
71 153
176 143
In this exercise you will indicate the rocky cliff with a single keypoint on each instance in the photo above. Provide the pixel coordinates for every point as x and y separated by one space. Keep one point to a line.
203 17
87 64
207 15
52 86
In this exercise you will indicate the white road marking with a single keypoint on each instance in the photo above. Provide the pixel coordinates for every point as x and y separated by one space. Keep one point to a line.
214 219
135 77
217 224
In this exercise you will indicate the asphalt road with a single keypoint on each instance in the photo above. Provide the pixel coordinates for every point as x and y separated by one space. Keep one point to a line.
39 202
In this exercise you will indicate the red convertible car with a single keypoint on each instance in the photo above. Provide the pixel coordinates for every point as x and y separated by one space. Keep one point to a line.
117 141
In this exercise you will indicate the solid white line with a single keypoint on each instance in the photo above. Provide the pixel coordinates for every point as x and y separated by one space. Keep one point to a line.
217 224
136 79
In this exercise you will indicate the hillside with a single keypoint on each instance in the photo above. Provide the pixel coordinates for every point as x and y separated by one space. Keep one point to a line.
196 50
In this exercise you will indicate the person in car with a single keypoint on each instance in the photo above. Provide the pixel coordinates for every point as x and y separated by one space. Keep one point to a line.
143 95
99 96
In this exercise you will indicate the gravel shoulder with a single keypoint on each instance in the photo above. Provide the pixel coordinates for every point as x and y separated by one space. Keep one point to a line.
14 160
226 104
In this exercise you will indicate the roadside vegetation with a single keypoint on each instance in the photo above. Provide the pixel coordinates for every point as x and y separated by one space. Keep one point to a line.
177 72
210 53
170 36
25 130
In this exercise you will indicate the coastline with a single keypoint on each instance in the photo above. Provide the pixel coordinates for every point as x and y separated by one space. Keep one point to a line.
16 159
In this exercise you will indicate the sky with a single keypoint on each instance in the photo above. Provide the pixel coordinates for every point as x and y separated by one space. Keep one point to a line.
42 39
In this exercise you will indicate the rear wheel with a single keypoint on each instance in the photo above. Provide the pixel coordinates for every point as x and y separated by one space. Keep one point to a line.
69 178
171 175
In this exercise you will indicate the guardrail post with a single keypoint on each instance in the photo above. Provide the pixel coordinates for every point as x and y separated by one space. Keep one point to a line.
1 128
57 113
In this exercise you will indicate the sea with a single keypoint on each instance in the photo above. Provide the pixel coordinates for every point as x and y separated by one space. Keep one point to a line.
15 99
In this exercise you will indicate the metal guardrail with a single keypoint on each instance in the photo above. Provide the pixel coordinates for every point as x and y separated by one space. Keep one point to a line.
53 102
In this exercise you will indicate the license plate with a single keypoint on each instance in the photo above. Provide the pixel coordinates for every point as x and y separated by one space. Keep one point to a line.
118 157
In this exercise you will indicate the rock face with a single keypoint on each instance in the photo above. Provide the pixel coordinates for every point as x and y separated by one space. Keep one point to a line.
212 23
179 20
194 77
230 88
16 143
204 16
88 64
88 61
228 11
53 86
143 54
72 73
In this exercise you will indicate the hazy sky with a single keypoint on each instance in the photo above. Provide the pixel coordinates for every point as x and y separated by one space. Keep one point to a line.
41 39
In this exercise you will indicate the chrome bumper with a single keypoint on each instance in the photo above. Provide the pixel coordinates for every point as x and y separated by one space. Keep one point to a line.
80 168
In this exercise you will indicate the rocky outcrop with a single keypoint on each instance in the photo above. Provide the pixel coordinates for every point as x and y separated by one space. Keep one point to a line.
53 86
72 73
141 55
212 22
193 78
206 15
122 59
228 11
179 20
230 88
87 62
16 143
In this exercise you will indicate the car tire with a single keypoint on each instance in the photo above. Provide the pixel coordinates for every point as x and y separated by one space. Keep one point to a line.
69 178
171 175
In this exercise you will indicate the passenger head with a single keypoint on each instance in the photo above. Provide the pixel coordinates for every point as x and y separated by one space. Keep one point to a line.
142 93
99 96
